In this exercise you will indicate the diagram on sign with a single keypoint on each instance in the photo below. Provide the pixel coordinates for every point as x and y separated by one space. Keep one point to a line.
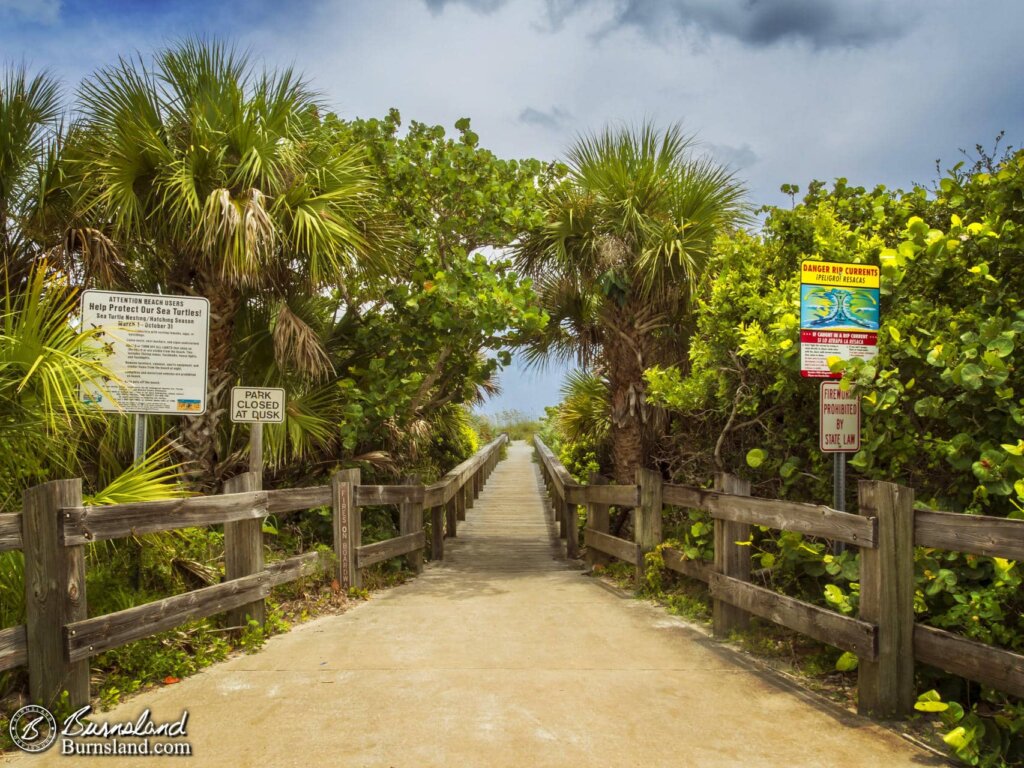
838 308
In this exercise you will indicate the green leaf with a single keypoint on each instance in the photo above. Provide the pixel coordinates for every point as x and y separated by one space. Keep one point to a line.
895 333
971 376
957 738
847 662
756 457
1001 345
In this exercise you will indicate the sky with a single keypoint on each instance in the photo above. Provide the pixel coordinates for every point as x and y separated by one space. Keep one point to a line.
781 91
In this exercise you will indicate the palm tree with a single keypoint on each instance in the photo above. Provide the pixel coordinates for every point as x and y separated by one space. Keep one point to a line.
212 178
618 260
30 111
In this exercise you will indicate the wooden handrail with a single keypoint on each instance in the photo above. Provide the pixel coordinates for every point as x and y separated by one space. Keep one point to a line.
10 531
885 633
60 526
812 519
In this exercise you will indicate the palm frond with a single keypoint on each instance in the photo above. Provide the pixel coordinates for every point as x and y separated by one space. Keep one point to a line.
152 478
585 411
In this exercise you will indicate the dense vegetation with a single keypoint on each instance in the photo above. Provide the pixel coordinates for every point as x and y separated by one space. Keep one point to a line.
943 407
350 262
358 264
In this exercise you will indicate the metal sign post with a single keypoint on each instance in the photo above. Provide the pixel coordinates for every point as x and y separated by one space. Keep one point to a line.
140 444
839 491
838 434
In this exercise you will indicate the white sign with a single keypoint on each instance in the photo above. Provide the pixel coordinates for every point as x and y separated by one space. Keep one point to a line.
157 348
840 419
257 405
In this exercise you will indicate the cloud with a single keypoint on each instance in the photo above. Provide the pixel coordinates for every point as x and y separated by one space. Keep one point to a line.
480 6
758 23
735 158
43 11
554 118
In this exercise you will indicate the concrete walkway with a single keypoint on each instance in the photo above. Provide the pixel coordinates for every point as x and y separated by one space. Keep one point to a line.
502 656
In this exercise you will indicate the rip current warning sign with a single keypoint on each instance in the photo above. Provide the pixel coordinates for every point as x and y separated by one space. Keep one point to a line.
838 315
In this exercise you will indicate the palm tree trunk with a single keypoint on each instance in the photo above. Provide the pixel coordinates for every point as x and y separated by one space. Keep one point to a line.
201 442
624 356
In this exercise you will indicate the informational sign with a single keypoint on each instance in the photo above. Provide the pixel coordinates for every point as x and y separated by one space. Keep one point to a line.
157 349
839 430
838 315
257 405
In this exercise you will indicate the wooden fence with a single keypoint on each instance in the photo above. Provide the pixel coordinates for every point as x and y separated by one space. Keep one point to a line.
53 528
885 636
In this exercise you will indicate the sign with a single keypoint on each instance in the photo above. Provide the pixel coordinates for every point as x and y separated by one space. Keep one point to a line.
157 348
256 405
838 315
839 429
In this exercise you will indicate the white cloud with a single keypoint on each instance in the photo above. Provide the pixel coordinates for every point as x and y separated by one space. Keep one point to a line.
781 101
44 11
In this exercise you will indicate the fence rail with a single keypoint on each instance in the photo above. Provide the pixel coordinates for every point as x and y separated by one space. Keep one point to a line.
10 532
59 637
885 637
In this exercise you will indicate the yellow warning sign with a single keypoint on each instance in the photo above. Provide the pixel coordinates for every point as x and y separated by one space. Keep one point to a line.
839 275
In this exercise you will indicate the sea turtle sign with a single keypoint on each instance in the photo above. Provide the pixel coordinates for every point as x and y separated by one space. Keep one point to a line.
257 405
838 315
156 347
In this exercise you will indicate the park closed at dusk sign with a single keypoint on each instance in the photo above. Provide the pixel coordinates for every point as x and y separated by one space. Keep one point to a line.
838 315
156 347
257 405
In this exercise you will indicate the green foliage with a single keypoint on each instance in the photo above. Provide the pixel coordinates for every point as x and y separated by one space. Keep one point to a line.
625 240
942 401
991 740
30 143
174 654
516 424
43 361
151 479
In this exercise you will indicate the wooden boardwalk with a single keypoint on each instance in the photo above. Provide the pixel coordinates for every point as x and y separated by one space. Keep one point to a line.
504 655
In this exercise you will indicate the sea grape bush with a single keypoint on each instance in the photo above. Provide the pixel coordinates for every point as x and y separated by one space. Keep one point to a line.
943 402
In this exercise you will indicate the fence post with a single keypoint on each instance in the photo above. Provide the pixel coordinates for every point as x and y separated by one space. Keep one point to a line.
348 532
468 492
885 687
54 593
437 533
570 518
731 559
243 550
597 520
451 513
410 520
460 503
647 517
